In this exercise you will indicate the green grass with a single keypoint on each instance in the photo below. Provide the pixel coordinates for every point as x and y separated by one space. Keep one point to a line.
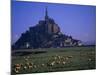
79 58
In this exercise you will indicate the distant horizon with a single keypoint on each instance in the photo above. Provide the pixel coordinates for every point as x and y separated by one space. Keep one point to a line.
79 21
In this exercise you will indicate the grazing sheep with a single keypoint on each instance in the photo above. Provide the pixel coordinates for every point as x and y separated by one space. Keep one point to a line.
26 59
70 56
67 58
25 67
16 71
64 62
55 58
51 64
43 64
59 57
30 66
58 62
89 59
17 67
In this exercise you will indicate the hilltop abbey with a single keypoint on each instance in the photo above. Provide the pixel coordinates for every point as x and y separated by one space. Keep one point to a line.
45 34
47 26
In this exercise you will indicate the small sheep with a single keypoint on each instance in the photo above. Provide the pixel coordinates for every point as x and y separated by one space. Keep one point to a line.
64 62
67 58
25 67
53 63
17 66
89 59
16 71
30 66
55 58
70 56
43 64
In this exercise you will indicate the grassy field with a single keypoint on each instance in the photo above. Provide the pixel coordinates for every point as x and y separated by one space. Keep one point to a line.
54 59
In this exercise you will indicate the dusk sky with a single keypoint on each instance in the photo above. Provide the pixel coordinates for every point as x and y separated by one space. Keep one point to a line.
79 21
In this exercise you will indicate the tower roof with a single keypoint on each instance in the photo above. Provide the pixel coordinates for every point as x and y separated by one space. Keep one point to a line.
46 13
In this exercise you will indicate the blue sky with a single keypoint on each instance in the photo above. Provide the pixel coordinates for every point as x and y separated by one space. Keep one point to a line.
79 21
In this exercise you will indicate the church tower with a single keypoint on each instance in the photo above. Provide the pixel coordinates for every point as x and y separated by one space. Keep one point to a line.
50 26
46 14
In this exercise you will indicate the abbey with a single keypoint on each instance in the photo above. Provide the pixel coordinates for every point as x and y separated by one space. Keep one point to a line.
45 34
48 25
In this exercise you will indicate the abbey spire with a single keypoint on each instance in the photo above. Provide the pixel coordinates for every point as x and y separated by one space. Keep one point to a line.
46 14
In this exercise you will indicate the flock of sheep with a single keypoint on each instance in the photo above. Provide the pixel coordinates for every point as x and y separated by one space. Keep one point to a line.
52 61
